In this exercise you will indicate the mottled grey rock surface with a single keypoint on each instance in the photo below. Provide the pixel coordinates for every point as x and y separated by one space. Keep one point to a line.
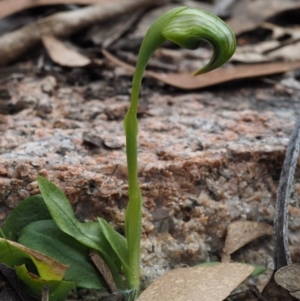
205 159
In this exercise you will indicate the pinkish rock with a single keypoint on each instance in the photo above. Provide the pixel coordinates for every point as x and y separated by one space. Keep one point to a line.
204 161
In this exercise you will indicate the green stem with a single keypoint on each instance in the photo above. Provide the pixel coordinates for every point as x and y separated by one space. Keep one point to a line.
133 218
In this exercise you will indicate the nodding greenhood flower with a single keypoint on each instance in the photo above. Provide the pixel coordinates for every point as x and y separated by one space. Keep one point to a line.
188 27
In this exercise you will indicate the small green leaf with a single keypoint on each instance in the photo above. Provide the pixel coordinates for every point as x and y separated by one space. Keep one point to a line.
117 242
28 211
62 213
58 290
88 234
12 253
47 238
257 270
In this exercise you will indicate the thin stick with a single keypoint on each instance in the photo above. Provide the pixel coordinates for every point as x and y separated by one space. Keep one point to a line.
8 7
281 246
104 270
45 293
256 293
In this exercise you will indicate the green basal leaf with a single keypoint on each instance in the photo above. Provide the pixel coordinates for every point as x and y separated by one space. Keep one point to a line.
58 290
28 211
62 213
12 253
117 242
47 238
88 234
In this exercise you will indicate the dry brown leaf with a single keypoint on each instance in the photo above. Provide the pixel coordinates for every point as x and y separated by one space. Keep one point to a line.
279 32
63 55
188 81
207 283
109 32
274 49
288 53
260 53
242 232
62 24
254 53
249 14
8 7
289 278
47 266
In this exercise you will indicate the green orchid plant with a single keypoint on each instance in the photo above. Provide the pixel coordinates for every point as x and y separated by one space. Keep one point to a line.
187 27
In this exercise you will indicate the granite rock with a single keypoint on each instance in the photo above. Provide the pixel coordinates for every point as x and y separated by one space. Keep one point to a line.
205 160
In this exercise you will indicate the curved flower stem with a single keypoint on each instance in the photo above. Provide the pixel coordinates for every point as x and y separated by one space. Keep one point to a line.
187 27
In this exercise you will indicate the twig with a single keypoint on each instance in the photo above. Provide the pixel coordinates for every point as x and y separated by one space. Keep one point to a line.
104 270
256 293
8 7
281 246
